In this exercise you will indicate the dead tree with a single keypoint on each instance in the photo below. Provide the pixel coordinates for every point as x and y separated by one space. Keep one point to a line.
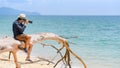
40 37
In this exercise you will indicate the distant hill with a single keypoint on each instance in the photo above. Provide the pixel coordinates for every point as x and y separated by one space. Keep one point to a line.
11 11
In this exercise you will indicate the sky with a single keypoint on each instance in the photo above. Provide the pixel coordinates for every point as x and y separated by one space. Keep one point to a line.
66 7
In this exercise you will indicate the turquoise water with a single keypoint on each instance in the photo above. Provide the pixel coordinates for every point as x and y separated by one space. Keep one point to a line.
96 39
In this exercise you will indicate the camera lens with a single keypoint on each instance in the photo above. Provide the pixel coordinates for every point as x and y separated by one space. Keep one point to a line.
30 21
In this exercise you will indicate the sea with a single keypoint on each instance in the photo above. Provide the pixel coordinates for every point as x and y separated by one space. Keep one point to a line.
96 39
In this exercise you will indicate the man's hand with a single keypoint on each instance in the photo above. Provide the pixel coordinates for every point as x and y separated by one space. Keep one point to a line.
26 22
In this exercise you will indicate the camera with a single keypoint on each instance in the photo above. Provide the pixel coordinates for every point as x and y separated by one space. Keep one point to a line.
29 21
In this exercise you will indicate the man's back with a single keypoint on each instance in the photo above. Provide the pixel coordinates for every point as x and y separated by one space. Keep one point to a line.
18 28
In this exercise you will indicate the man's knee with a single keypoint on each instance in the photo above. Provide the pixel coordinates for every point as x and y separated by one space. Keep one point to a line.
28 37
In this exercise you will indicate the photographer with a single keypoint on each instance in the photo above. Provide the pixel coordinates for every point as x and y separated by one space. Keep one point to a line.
19 26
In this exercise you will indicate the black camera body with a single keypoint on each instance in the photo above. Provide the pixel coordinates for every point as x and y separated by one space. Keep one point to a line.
29 21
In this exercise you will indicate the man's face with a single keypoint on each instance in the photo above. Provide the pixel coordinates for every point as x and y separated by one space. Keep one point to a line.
21 21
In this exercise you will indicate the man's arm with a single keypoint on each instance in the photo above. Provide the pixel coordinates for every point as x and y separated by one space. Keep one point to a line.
20 28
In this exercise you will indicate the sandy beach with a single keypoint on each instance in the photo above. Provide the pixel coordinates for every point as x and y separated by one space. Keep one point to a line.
37 62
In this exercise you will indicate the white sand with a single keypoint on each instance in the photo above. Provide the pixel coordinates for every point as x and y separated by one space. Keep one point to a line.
37 63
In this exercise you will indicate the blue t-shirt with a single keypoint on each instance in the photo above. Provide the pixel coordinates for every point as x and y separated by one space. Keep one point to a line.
18 28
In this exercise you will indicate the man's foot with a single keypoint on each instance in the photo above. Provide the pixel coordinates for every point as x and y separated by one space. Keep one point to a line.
25 49
29 60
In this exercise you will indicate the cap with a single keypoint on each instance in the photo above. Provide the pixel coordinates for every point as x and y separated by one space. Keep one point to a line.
23 16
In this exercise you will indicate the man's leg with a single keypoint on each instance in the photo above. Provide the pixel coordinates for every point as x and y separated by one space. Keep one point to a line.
27 43
26 39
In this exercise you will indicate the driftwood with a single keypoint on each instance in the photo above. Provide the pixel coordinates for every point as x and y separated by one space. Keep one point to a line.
8 44
39 38
66 57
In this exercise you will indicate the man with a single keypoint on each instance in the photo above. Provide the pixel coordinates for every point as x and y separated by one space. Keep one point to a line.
19 26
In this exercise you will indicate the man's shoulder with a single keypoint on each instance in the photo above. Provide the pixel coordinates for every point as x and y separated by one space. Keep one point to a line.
15 22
